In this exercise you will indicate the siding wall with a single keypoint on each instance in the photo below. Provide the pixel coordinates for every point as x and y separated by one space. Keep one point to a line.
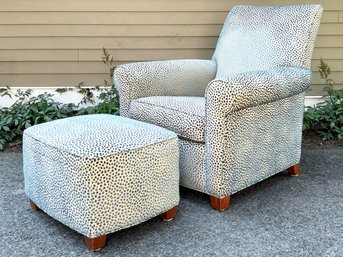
58 43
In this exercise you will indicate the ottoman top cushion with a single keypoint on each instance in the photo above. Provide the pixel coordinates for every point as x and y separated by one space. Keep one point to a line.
98 135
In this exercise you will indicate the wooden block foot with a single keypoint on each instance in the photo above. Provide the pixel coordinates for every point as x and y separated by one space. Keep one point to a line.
33 206
95 244
169 215
295 170
220 204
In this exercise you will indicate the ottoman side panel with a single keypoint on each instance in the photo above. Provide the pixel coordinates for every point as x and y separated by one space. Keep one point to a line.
55 181
133 186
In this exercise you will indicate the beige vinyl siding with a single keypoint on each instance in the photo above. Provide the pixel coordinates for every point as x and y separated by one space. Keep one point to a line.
58 43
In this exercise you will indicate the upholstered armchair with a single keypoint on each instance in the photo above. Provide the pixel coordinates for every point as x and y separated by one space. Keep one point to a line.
238 116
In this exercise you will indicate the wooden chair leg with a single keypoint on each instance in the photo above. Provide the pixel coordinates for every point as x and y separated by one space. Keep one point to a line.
33 206
169 215
295 170
220 204
95 244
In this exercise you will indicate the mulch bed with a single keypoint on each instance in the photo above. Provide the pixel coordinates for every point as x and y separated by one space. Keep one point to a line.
14 147
311 140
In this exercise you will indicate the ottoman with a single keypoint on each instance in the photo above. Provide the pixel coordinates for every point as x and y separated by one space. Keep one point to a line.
101 173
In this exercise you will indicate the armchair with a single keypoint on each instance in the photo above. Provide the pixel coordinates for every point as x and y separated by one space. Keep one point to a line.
239 115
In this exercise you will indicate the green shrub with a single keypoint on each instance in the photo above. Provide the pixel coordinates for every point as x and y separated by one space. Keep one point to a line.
326 118
29 110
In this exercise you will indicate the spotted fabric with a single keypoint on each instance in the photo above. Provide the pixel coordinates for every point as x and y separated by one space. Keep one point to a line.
101 173
262 37
183 115
246 146
253 106
162 78
244 90
192 165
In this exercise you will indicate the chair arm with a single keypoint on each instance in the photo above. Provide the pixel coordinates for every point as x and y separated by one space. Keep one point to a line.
245 125
250 89
159 78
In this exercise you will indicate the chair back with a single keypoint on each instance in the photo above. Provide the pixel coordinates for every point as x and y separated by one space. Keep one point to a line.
262 37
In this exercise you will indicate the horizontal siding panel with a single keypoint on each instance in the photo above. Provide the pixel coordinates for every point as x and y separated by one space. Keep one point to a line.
38 55
53 67
330 17
130 30
132 42
148 54
340 16
137 5
95 55
41 80
128 18
109 42
333 4
108 30
329 41
337 76
331 29
328 53
113 18
335 65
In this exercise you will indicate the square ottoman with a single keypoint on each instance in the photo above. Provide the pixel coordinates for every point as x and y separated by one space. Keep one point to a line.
98 174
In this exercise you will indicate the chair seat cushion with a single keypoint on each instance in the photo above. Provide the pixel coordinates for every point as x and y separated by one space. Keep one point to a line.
185 115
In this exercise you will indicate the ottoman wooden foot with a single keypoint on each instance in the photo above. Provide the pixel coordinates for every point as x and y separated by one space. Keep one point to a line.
220 204
295 170
95 244
169 215
33 206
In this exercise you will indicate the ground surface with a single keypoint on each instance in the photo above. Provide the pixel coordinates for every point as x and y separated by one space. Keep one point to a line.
281 216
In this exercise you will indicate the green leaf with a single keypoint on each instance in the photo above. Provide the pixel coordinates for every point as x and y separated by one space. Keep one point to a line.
27 124
9 120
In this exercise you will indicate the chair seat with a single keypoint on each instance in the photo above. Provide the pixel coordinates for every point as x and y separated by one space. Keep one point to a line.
184 115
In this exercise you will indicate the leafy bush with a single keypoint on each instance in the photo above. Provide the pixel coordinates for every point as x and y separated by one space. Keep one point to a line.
29 110
326 118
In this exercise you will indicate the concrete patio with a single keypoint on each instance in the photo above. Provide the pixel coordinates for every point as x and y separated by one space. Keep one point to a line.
281 216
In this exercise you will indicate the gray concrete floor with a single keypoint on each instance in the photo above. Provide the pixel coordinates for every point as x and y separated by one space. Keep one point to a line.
281 216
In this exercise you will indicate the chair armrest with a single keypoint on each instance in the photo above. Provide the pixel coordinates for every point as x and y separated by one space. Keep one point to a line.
250 117
159 78
250 89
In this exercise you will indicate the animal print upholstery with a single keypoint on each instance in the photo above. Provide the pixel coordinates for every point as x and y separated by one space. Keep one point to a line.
262 37
159 78
192 165
185 115
244 90
246 146
253 107
101 173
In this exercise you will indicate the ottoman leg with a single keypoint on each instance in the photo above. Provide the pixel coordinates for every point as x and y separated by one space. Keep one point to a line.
33 206
220 204
169 215
295 170
95 244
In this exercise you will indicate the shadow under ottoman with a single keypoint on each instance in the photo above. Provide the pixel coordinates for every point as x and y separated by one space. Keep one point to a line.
98 174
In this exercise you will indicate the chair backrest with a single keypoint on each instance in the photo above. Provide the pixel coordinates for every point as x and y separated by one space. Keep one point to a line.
262 37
